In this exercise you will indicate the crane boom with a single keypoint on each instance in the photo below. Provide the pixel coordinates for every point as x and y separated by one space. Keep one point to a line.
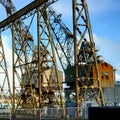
13 14
63 38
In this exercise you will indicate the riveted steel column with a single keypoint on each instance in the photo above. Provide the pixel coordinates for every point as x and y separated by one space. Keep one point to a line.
74 3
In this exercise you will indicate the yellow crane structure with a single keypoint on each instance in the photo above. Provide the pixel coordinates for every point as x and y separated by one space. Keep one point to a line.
35 58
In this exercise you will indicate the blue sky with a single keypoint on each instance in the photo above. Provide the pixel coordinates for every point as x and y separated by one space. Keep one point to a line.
105 22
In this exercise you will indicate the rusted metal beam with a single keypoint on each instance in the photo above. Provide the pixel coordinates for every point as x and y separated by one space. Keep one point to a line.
22 12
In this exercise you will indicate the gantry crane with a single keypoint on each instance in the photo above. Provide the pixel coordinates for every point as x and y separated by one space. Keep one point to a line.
78 55
84 56
22 47
25 63
75 50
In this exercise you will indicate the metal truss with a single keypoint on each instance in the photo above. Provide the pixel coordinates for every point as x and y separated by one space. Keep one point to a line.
75 51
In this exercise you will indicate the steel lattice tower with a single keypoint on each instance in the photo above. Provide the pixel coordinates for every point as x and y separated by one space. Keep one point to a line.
27 58
5 88
85 55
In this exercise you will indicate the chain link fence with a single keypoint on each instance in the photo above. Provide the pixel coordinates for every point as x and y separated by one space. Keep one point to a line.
58 113
43 114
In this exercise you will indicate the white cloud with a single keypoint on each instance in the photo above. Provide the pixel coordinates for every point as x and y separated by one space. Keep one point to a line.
64 7
7 50
110 52
8 59
94 6
97 6
108 48
117 77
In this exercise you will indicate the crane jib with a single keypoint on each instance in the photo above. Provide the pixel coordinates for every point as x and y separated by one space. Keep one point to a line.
22 12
